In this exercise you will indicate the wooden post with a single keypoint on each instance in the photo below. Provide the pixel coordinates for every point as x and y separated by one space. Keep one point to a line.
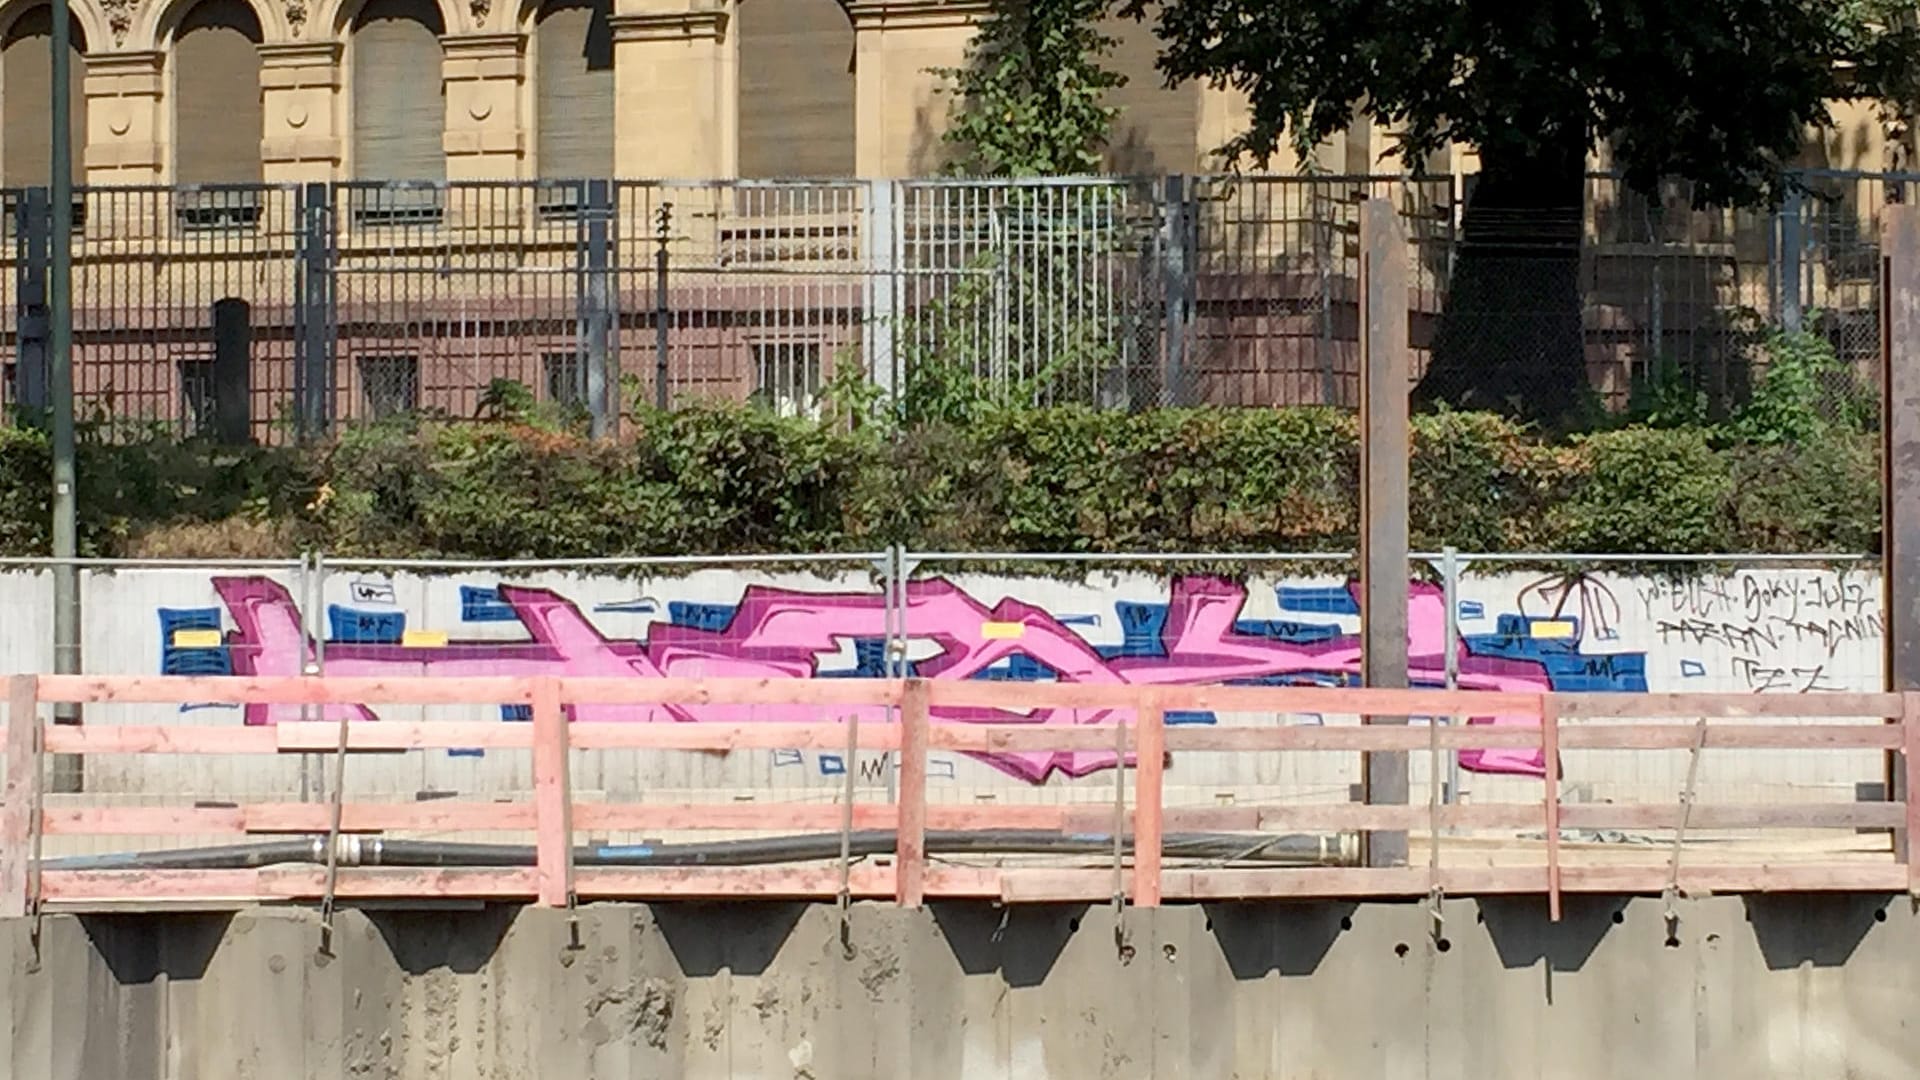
1150 752
1550 756
1900 461
1910 740
552 796
1384 446
910 844
21 795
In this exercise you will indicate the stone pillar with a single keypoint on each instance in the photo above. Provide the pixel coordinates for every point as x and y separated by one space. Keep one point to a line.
900 105
300 82
124 140
676 89
485 139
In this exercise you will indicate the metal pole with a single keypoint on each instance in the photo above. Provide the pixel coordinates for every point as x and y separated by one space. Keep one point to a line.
662 233
66 575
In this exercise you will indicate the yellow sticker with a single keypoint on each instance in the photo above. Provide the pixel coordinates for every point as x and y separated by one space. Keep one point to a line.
1002 631
1551 628
423 639
196 639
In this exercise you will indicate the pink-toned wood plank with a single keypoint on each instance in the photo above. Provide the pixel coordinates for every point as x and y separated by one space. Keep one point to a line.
738 736
144 820
777 816
1780 736
1910 836
910 848
1693 706
1149 790
402 883
1550 757
781 882
313 736
552 796
823 692
157 887
285 689
1023 697
435 815
153 739
1862 815
1038 886
20 799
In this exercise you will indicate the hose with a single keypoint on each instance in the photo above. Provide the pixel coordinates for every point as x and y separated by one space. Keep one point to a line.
1296 850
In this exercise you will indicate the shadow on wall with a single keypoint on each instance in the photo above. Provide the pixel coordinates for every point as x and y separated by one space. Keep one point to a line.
1021 943
140 949
743 938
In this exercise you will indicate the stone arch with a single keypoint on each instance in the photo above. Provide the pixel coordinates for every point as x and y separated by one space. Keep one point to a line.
333 19
156 24
95 27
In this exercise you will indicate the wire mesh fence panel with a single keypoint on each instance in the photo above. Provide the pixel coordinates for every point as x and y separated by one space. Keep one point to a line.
441 290
1039 292
1276 279
748 290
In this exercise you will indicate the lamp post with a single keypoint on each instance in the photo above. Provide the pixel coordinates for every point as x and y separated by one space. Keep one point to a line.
66 575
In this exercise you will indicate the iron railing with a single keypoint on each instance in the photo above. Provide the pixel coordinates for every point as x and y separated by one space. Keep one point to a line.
361 300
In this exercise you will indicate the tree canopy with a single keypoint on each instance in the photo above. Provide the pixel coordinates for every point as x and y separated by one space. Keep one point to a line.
1031 98
1720 92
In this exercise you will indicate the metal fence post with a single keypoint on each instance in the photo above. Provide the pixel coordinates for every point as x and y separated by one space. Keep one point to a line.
313 368
1792 243
597 300
662 311
32 225
880 255
1176 275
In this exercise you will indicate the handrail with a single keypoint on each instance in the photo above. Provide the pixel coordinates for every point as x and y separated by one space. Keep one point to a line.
553 815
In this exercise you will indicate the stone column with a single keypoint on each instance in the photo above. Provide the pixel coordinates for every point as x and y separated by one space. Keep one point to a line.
300 82
485 139
900 106
676 89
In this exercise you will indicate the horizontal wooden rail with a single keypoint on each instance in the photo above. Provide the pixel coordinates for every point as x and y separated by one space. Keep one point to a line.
995 718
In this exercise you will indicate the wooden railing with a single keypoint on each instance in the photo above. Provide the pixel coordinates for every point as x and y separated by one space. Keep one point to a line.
1130 722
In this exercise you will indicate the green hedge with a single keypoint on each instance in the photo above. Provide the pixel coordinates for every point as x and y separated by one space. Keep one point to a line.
731 479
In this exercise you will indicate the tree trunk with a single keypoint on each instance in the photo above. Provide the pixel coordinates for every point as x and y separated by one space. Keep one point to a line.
1509 338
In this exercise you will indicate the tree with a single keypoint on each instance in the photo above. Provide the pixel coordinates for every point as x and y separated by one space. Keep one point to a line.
1719 92
1031 100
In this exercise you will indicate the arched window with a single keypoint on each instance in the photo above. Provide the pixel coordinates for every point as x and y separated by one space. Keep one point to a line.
26 72
796 89
399 109
217 115
573 90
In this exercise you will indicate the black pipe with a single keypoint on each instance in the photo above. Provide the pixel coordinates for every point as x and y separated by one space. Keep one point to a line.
817 847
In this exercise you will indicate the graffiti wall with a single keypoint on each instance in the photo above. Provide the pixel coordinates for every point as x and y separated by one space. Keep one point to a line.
1774 631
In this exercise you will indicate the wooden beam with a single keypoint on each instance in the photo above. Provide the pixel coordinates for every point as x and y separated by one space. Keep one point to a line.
1610 706
20 800
910 848
1550 758
1148 795
1910 791
552 796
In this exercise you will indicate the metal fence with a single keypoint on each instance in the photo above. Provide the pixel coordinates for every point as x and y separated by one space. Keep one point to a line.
283 310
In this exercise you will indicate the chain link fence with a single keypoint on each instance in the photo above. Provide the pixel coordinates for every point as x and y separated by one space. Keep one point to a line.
276 312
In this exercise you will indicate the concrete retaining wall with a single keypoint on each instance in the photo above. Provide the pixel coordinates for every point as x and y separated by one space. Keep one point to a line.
1765 987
